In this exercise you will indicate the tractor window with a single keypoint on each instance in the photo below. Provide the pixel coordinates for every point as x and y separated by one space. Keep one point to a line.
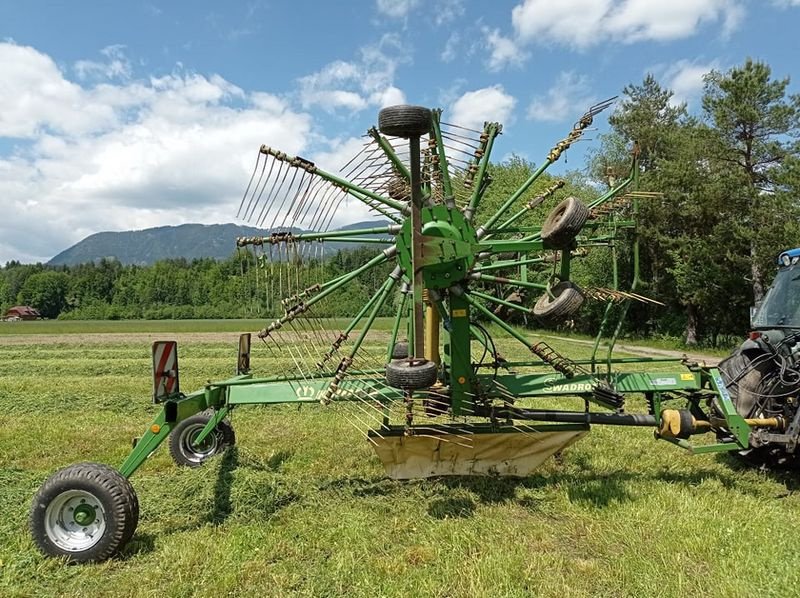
781 306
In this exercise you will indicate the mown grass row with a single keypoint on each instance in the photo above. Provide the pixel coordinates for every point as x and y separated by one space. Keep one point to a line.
56 327
301 506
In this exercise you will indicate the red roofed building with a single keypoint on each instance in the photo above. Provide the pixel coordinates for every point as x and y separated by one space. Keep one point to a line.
22 312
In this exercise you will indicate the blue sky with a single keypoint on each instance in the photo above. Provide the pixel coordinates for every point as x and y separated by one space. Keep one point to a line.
123 115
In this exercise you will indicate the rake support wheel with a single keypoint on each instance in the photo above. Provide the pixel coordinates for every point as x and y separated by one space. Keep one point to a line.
86 512
404 121
564 223
400 350
567 299
411 374
181 441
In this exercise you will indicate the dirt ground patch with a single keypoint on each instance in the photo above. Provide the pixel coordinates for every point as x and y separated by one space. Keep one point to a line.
709 360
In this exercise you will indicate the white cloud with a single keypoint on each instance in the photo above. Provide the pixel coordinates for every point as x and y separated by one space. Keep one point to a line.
355 85
567 99
473 108
442 11
133 154
448 11
396 9
117 65
34 96
503 51
584 23
451 47
389 96
685 79
786 3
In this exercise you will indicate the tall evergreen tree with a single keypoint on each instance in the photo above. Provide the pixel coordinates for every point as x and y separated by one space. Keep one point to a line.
756 125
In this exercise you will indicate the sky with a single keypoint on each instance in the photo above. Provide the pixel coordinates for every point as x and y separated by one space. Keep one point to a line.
126 115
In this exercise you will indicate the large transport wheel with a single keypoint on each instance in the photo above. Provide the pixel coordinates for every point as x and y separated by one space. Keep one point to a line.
183 449
85 512
404 121
567 299
564 223
411 374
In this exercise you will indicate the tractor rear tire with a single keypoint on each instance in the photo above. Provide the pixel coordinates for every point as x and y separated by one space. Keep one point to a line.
181 440
400 350
564 223
404 121
567 299
411 374
85 513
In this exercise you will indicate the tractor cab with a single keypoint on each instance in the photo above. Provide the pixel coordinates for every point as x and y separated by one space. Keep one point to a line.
780 309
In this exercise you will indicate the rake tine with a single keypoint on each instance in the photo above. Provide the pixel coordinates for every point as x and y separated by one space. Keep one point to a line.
266 206
252 176
462 128
315 200
263 186
285 195
321 218
308 198
356 155
302 188
324 206
278 190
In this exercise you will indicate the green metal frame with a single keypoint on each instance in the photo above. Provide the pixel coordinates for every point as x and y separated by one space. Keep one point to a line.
438 248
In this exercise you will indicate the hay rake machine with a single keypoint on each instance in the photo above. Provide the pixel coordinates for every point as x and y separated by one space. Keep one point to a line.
433 395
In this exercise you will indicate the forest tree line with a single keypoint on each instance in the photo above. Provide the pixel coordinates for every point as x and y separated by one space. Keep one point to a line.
243 286
727 176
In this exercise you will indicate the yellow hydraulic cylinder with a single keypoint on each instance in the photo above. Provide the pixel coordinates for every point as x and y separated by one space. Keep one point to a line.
431 329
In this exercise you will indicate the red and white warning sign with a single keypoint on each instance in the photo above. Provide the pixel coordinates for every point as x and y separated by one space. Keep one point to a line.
165 369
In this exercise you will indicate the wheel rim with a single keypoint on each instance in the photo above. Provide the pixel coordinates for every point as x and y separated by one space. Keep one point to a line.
75 520
196 453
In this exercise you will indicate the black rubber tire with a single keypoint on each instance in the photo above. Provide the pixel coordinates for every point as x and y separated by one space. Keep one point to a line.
687 424
116 497
505 312
743 372
400 350
184 454
564 223
568 300
411 374
404 121
767 458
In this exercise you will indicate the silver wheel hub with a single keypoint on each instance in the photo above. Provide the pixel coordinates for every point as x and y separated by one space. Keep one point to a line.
75 520
198 452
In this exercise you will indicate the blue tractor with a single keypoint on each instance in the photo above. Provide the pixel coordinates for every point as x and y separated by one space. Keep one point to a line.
763 374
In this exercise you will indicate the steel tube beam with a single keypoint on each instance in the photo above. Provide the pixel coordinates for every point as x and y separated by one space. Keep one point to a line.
417 312
577 417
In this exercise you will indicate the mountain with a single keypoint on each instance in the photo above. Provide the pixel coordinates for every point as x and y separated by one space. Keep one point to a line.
189 241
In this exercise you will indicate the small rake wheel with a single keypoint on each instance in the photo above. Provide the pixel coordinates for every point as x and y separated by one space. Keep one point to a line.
567 299
85 512
411 374
564 223
400 350
404 121
186 453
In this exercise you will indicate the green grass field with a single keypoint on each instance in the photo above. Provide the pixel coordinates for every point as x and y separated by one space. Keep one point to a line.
301 507
145 326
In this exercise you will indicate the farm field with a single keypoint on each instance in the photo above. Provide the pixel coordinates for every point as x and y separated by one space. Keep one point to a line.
301 507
